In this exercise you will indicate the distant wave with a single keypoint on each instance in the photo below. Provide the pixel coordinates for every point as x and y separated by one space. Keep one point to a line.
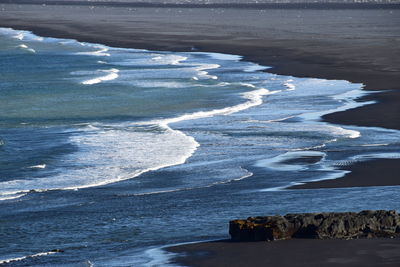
289 85
202 73
11 195
40 166
26 48
254 99
19 36
41 254
112 75
247 175
101 52
169 59
292 161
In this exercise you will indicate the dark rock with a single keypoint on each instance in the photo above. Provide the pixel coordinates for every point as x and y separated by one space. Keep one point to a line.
329 225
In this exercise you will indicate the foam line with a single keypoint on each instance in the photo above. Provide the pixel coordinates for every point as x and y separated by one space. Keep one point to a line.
11 196
289 85
247 175
274 120
254 99
19 36
101 52
41 254
201 70
279 162
40 166
113 74
345 97
27 48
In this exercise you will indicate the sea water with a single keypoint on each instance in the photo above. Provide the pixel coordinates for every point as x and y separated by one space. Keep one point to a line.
109 154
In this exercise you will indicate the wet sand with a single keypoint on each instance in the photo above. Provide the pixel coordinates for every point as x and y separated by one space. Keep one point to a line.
359 176
291 253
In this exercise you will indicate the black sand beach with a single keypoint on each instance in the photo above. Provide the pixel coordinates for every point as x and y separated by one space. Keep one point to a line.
358 177
296 252
358 45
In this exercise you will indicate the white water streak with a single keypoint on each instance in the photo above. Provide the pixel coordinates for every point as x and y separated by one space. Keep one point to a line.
41 254
113 74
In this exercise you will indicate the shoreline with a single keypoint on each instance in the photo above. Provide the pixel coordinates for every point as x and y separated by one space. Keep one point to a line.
353 179
283 60
288 53
288 253
357 177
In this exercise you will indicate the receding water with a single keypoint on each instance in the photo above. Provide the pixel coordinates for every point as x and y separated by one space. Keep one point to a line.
108 153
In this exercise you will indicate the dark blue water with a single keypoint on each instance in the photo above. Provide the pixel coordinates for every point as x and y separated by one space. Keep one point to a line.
109 154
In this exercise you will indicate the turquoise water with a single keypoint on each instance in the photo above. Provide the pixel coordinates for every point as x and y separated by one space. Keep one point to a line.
110 153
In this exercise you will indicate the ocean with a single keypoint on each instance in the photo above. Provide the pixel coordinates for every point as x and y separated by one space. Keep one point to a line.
109 154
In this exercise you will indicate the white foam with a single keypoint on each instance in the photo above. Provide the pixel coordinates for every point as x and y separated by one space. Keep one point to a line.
41 254
219 56
169 59
269 121
279 162
11 196
344 132
331 174
366 157
289 85
25 47
367 145
254 68
101 52
383 155
202 73
112 155
113 74
331 171
200 69
254 99
159 257
19 36
312 147
40 166
346 98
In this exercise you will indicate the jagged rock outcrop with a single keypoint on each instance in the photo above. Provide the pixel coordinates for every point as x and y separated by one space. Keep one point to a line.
327 225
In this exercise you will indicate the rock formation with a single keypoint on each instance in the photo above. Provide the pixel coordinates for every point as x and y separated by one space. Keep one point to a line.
330 225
